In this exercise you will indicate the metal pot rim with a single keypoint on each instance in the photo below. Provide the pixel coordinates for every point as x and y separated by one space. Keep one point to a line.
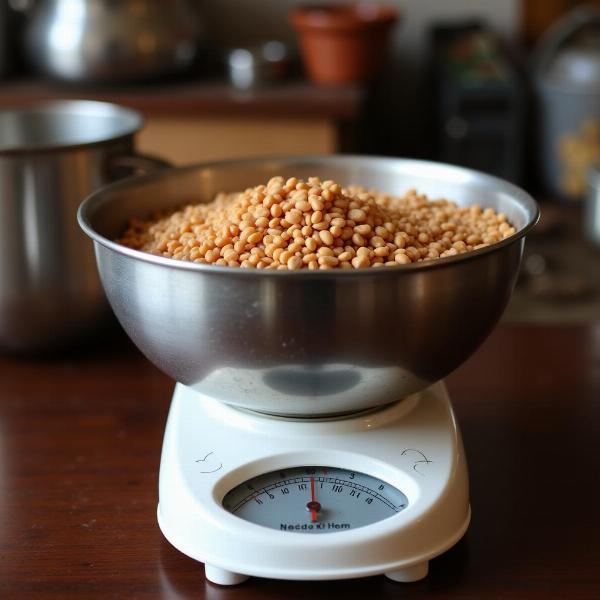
81 107
89 204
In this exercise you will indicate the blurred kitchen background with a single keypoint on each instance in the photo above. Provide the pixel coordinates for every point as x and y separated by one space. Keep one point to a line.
510 87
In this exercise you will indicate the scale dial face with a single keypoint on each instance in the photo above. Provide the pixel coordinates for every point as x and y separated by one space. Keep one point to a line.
314 500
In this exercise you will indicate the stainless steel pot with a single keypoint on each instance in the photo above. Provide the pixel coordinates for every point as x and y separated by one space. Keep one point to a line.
52 156
306 343
111 41
591 213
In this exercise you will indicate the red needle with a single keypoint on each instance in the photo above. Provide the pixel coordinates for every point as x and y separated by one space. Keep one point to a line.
313 506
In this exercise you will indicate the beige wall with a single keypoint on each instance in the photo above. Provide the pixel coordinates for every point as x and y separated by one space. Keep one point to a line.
184 140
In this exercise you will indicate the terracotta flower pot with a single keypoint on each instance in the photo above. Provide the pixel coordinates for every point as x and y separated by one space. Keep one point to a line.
343 43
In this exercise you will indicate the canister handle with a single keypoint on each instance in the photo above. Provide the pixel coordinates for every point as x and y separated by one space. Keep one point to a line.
559 34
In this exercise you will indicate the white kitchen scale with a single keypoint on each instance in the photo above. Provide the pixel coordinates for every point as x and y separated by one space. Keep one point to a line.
375 492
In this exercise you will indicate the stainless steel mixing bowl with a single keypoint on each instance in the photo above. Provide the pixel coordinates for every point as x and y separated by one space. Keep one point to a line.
306 343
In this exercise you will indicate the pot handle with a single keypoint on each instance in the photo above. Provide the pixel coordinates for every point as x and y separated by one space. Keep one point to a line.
559 34
131 165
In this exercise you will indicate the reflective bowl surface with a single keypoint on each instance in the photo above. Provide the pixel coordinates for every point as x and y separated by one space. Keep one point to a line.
306 343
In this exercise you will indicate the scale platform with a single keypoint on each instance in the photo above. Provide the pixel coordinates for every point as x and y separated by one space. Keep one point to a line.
377 492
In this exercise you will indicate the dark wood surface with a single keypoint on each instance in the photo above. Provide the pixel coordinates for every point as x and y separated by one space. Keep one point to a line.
204 98
80 441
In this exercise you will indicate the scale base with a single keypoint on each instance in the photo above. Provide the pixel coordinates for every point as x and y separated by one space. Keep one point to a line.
414 445
410 574
224 577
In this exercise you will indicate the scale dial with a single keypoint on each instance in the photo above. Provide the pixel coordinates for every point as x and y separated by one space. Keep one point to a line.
314 500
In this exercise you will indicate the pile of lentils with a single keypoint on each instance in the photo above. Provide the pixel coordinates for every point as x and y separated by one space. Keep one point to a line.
314 224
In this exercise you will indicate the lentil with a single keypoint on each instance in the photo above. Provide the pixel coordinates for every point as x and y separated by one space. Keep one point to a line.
297 224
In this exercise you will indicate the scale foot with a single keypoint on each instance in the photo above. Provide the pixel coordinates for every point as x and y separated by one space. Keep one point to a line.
223 577
410 574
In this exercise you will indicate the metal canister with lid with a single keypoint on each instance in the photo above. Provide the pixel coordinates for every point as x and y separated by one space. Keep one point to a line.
591 218
568 89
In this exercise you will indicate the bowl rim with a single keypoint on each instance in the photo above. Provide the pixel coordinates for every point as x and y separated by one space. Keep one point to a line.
98 197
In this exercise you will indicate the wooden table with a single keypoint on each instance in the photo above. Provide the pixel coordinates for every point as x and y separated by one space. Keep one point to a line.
80 441
290 98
